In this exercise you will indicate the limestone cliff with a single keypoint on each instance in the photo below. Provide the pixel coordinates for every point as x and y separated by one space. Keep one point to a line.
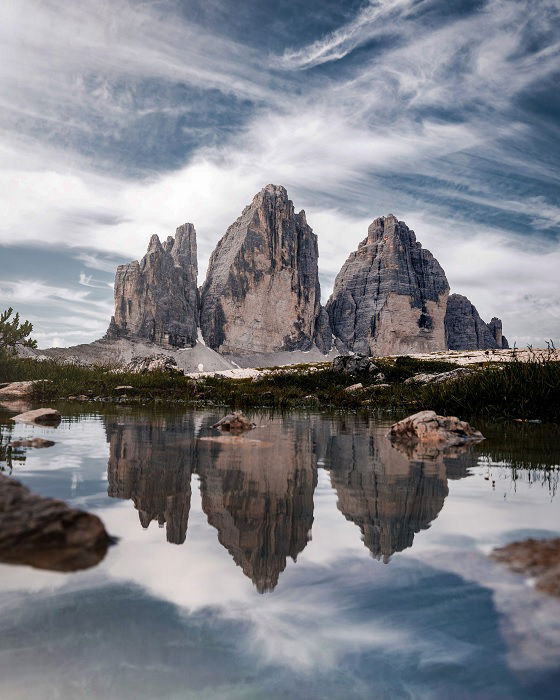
465 330
391 294
262 291
156 299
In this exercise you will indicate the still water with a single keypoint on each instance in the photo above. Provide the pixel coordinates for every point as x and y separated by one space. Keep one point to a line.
307 559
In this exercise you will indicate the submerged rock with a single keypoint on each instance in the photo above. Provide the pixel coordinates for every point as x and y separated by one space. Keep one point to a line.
47 533
391 294
539 559
234 423
430 429
33 442
42 416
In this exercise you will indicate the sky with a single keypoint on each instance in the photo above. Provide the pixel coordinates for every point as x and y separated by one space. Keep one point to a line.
124 118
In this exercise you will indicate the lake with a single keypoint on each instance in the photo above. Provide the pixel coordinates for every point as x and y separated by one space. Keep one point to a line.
308 558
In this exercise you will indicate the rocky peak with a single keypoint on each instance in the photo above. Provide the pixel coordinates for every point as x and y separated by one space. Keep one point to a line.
390 295
262 290
156 299
465 330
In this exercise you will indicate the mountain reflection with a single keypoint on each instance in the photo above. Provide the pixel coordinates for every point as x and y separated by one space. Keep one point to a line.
257 490
151 462
388 494
259 498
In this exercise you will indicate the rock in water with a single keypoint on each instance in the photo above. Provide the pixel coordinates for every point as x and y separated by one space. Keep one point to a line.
157 298
390 296
40 416
262 292
427 428
46 533
465 330
234 422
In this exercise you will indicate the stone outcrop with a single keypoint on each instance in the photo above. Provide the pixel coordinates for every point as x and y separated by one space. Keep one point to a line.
390 296
465 330
262 291
156 299
46 533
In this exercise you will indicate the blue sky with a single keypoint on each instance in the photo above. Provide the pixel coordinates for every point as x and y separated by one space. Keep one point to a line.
122 118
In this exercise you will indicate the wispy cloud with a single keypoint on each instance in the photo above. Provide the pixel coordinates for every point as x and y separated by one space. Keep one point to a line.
367 24
431 123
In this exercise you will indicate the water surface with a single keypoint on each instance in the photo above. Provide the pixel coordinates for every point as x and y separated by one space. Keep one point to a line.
308 559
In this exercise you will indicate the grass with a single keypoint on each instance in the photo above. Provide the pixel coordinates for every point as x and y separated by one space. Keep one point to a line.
526 390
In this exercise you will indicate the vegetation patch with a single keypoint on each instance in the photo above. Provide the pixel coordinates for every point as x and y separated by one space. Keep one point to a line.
528 390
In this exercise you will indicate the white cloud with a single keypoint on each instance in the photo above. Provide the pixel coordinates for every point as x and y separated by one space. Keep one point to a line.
338 145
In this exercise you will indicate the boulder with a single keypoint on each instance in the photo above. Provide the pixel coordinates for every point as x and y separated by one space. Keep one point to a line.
262 292
440 377
235 423
152 363
156 299
354 364
46 533
427 428
390 296
21 390
41 416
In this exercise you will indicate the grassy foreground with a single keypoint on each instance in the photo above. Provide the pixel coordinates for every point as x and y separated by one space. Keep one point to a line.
527 390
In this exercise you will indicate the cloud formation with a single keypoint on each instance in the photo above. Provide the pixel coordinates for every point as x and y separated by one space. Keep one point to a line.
443 117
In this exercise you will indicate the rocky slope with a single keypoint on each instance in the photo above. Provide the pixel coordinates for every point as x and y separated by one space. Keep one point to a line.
465 330
390 295
262 292
156 299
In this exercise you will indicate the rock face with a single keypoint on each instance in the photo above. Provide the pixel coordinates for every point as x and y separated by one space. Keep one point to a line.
262 291
157 298
391 295
465 330
46 533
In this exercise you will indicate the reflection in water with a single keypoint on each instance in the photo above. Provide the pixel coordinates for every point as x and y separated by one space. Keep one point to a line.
387 494
260 499
258 492
151 462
